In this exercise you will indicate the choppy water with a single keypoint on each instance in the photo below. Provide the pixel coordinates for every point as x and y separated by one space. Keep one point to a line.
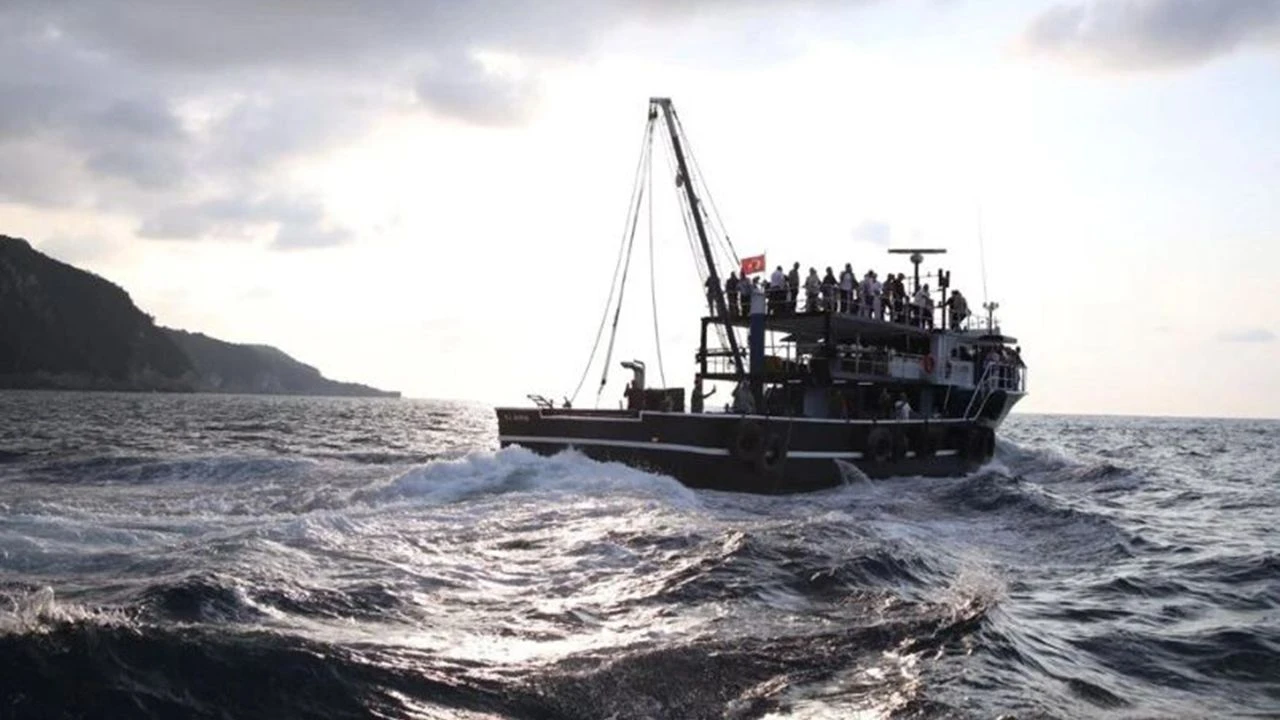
227 557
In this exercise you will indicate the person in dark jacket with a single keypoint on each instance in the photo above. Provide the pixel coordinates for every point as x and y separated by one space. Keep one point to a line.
711 293
793 286
829 290
731 294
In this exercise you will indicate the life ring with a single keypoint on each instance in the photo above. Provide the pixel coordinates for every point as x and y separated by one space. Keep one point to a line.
927 364
880 445
772 456
748 442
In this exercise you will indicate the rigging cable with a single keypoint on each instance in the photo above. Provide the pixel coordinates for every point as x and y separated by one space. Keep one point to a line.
693 160
634 217
653 291
691 236
604 317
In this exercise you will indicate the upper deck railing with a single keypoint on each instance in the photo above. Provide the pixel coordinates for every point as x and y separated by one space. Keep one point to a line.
906 312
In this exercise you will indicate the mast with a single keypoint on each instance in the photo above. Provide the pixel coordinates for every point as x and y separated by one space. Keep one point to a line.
669 113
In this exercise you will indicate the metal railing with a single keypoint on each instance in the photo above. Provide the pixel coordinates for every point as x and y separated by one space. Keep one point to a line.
906 312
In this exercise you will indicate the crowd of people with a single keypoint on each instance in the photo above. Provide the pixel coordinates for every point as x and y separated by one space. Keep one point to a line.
869 297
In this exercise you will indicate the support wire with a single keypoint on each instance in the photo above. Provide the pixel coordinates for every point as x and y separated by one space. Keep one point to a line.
604 317
633 217
653 290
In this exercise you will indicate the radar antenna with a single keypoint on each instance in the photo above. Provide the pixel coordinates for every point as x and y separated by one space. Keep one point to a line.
917 257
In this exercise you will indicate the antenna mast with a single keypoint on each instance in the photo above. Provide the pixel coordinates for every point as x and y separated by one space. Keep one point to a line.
982 257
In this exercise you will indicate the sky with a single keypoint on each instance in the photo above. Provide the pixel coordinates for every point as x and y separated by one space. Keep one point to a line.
429 195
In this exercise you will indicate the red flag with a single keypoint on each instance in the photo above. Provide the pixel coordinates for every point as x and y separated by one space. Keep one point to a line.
753 264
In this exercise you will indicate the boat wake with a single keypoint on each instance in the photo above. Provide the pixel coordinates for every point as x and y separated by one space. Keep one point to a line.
491 584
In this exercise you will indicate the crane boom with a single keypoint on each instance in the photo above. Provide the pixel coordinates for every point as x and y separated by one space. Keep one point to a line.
717 291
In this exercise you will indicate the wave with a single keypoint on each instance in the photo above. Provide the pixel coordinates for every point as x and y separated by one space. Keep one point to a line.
142 470
749 675
480 475
91 669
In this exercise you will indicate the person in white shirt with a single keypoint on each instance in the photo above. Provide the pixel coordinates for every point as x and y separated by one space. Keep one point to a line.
759 305
847 281
918 302
901 408
777 291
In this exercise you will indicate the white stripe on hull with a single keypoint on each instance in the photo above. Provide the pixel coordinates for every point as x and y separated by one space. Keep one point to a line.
672 447
637 444
694 449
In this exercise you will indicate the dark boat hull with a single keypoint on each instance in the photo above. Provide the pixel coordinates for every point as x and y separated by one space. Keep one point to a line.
757 454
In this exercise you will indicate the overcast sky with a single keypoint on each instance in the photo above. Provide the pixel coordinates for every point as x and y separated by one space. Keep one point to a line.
428 195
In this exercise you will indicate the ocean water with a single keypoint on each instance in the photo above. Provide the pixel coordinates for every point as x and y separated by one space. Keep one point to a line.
246 557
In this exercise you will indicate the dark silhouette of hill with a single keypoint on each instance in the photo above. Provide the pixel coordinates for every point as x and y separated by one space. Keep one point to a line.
62 327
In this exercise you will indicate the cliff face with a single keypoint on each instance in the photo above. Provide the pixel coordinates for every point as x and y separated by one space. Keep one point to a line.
62 327
65 327
228 367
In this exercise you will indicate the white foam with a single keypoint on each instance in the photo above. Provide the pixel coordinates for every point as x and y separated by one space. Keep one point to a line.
517 470
39 610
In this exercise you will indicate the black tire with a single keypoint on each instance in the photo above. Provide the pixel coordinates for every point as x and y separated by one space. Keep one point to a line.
988 443
773 455
928 440
901 443
748 442
879 445
975 445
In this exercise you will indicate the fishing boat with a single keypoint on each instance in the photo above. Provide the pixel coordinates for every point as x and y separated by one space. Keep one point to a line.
830 387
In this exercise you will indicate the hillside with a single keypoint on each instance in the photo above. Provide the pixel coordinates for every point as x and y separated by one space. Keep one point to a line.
62 327
229 367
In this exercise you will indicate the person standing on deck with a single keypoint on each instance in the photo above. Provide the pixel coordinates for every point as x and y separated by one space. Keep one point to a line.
871 290
900 296
917 307
891 297
744 294
711 293
777 291
847 281
793 286
731 294
812 285
755 333
829 290
902 408
959 309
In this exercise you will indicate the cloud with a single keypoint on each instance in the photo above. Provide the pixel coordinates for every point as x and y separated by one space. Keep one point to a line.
77 250
300 221
875 232
1152 34
465 89
189 115
1248 335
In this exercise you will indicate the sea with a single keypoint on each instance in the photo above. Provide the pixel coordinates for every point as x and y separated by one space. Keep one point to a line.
188 556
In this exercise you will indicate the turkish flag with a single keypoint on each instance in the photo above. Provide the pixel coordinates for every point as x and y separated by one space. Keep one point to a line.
753 264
